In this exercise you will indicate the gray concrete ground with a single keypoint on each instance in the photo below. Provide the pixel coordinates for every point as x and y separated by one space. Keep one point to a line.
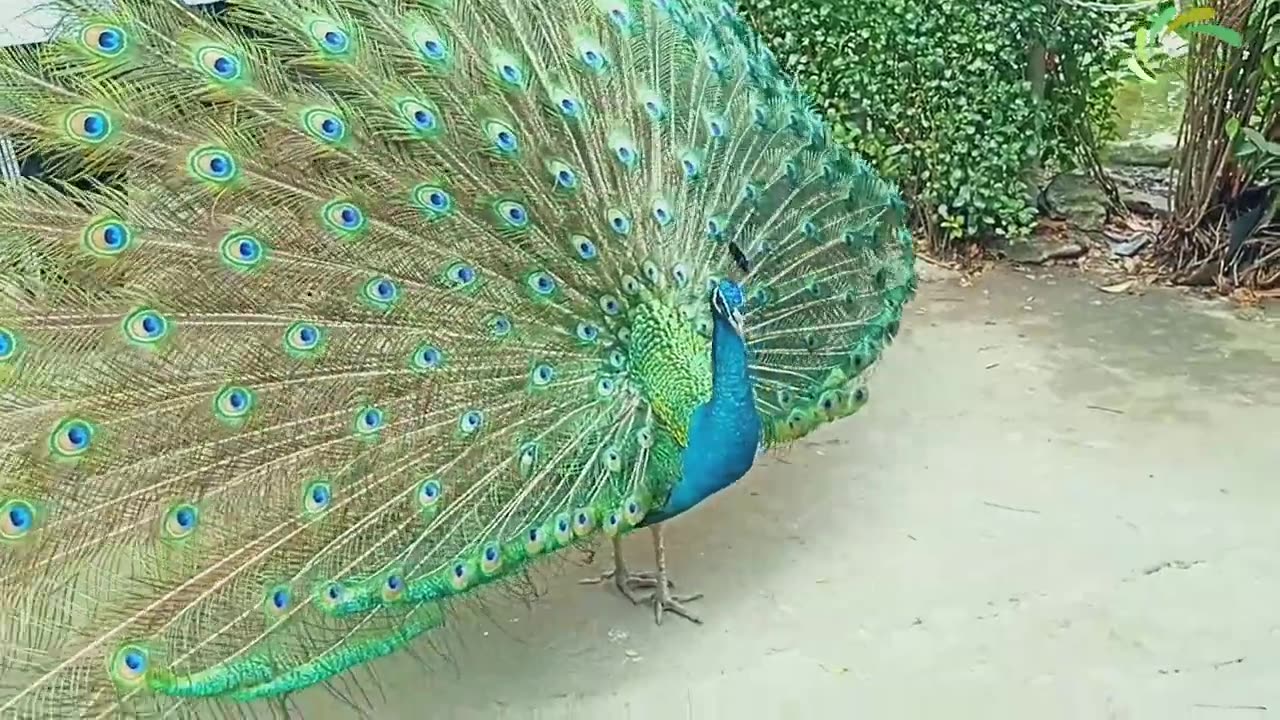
1059 504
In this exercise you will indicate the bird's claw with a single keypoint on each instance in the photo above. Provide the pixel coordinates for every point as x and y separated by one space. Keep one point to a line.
664 601
629 582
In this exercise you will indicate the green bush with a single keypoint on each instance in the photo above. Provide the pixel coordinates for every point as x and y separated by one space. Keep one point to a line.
936 94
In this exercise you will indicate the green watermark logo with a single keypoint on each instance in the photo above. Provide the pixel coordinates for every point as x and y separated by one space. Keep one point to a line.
1170 21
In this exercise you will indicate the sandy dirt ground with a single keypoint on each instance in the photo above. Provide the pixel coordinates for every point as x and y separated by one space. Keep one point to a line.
1059 504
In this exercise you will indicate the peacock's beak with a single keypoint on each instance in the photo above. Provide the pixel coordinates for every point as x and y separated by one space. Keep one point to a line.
739 322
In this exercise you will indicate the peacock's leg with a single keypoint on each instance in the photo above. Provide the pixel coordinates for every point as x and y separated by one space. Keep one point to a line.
626 581
662 598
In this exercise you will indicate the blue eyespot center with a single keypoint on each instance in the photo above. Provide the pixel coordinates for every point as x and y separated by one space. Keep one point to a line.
134 661
433 49
185 517
280 599
109 40
94 125
19 517
113 236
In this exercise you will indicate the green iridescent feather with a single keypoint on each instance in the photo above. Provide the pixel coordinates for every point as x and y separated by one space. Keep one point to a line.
393 300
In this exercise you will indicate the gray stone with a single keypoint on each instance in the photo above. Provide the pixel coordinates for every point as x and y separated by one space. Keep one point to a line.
1039 250
1079 200
1154 150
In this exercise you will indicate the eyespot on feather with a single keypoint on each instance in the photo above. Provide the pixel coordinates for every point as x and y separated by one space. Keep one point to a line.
71 438
592 56
427 357
470 422
542 375
543 284
146 327
330 39
535 540
432 200
429 493
422 118
491 559
380 292
324 125
89 125
584 521
502 137
219 63
512 215
277 601
369 420
233 404
460 275
107 237
618 221
461 574
9 345
242 251
392 586
430 44
563 529
213 165
128 666
344 218
181 521
18 519
105 41
316 497
303 339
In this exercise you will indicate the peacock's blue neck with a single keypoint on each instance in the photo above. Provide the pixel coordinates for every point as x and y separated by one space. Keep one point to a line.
730 375
724 433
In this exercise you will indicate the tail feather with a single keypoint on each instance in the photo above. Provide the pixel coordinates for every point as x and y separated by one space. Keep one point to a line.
351 340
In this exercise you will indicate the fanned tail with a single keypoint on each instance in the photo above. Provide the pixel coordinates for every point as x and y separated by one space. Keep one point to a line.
350 340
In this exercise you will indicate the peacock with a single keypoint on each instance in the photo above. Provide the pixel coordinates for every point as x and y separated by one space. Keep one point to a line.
341 312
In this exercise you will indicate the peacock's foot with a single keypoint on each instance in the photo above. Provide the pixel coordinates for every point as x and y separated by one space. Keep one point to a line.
628 582
664 601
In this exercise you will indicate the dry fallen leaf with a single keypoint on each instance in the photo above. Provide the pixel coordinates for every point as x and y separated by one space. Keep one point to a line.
1117 288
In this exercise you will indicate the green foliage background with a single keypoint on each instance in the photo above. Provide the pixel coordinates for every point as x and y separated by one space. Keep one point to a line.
936 95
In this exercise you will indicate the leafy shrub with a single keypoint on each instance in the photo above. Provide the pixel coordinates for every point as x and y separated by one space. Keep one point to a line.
936 94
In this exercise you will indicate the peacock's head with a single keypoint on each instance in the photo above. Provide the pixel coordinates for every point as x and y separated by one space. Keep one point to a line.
728 302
